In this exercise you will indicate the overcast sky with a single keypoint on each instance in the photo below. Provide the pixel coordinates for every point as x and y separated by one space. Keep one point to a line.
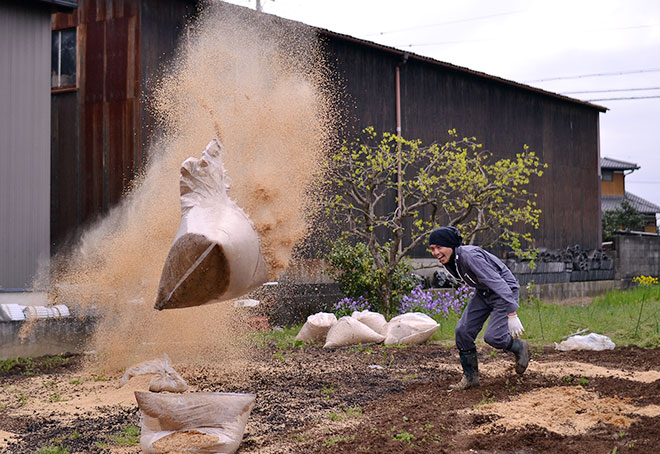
584 45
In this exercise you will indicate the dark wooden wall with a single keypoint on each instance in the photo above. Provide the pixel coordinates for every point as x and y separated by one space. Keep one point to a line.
502 116
99 128
102 131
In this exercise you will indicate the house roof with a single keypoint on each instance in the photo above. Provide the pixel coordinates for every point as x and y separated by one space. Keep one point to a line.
60 5
612 202
615 164
405 55
411 55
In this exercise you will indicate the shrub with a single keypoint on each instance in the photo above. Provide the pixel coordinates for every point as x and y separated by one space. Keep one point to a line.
354 269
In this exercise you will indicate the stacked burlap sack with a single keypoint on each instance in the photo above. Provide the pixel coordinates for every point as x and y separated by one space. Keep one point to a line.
366 327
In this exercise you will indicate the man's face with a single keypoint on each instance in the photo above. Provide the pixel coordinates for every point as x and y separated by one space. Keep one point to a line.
441 253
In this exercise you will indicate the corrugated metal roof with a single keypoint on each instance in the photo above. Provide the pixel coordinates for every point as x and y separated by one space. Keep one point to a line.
64 5
613 202
462 69
615 164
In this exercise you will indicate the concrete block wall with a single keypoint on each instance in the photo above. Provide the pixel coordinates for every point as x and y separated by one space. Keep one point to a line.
636 255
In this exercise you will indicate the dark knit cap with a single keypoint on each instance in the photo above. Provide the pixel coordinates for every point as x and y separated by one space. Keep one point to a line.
446 236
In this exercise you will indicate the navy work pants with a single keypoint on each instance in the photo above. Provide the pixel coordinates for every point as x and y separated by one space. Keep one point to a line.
481 306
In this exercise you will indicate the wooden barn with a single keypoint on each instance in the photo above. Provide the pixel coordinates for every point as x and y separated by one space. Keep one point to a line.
99 116
100 126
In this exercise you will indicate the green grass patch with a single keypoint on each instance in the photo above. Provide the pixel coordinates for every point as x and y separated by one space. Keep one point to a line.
129 436
279 338
628 317
53 449
334 440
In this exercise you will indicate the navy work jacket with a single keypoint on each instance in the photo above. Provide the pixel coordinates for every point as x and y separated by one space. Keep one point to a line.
487 274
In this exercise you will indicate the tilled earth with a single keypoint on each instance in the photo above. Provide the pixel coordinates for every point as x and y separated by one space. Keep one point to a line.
364 399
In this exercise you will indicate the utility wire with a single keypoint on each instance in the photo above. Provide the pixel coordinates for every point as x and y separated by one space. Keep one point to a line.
582 76
459 21
609 90
623 99
503 38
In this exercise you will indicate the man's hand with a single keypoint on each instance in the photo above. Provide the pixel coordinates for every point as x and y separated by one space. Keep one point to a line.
515 327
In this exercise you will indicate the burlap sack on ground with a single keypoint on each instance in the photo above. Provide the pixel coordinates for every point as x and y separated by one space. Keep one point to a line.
374 320
412 328
207 422
349 331
316 327
167 379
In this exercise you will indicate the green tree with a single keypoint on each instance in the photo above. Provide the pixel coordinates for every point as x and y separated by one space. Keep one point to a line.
457 183
625 217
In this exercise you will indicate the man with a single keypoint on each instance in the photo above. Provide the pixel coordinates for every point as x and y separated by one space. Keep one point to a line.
496 295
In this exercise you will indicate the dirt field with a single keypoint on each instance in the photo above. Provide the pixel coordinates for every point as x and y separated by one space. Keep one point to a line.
366 399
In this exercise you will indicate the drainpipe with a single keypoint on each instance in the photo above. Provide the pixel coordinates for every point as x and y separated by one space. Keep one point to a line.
397 85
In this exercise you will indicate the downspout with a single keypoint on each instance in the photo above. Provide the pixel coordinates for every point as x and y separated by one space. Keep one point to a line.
397 88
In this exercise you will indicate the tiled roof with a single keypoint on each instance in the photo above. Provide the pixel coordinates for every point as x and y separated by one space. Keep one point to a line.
612 202
615 164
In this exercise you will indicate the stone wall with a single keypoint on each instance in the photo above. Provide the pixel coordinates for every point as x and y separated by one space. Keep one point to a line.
51 336
636 254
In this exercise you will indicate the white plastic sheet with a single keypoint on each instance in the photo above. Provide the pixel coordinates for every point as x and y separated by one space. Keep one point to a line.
11 312
593 341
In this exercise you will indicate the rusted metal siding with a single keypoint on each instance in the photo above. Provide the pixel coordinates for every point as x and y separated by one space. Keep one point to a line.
503 116
24 142
99 133
97 143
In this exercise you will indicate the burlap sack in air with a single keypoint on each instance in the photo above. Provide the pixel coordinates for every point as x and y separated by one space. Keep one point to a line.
412 328
316 327
349 331
220 416
215 254
374 320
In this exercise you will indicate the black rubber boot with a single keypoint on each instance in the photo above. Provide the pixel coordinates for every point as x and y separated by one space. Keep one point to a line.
470 366
521 350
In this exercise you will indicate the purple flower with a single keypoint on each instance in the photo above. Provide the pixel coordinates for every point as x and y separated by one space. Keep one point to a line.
346 306
434 303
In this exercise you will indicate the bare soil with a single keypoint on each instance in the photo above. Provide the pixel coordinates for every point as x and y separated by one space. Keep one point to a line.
365 399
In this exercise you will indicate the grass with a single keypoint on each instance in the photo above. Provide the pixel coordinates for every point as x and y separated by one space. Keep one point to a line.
334 440
28 366
628 317
128 436
616 315
53 449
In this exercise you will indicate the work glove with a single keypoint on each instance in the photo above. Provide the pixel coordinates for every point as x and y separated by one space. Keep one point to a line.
515 327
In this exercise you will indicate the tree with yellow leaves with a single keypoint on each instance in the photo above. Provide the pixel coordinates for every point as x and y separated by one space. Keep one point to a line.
457 183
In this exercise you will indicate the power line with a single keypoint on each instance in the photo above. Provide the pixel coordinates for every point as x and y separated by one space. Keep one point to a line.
609 91
582 76
459 21
623 99
441 43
